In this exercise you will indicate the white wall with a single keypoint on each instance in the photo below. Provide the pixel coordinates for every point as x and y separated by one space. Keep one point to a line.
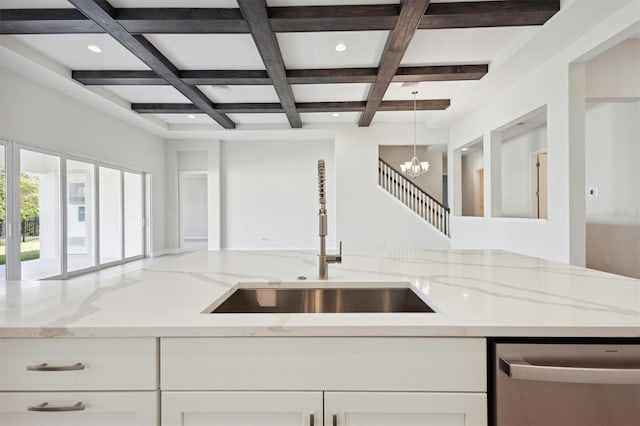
517 171
367 215
270 194
471 163
613 213
37 115
430 182
615 73
559 84
193 200
192 161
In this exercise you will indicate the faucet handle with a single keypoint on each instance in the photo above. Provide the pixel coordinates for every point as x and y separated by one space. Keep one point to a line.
339 256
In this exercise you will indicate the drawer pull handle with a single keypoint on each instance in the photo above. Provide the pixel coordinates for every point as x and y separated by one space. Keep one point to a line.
335 420
46 367
78 406
312 420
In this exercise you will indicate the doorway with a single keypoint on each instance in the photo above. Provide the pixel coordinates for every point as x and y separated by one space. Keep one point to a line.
194 213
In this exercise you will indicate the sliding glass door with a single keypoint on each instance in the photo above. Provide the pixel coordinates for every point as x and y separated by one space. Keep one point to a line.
111 212
133 215
81 225
3 213
40 215
62 216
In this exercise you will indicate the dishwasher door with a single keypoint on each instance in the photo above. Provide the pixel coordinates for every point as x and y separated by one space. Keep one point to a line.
567 385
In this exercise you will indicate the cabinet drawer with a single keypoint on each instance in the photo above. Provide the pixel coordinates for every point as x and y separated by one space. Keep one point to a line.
78 364
318 363
89 408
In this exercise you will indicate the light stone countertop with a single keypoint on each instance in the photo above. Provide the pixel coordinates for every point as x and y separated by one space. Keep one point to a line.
476 293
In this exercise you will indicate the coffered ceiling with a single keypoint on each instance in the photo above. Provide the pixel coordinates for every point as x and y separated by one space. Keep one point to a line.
225 63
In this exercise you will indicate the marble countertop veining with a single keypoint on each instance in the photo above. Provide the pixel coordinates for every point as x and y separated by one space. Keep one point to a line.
476 293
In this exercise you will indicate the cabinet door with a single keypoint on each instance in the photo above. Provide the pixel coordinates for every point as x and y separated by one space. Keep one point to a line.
79 408
241 408
404 408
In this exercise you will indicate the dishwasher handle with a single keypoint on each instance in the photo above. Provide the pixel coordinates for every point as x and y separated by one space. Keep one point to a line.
522 370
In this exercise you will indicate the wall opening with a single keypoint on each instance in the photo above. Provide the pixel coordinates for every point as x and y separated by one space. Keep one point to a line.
524 159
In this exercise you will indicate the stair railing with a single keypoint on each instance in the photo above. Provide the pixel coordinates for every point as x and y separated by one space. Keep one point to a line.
413 197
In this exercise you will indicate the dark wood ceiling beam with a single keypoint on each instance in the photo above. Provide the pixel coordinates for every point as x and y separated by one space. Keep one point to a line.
103 14
256 15
182 20
489 14
397 42
334 18
46 21
421 105
282 19
118 78
260 77
226 77
303 107
165 108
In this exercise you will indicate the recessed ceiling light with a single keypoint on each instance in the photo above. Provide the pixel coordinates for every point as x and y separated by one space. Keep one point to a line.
335 114
191 116
341 47
94 48
465 149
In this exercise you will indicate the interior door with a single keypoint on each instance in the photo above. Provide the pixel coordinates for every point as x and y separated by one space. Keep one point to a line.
480 200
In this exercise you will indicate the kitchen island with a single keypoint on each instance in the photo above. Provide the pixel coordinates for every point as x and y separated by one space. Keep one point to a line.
475 293
139 349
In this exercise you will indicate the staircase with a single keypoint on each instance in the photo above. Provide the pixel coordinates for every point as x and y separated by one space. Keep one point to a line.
413 197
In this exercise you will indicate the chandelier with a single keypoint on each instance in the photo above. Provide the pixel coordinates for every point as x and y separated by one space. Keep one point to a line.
415 167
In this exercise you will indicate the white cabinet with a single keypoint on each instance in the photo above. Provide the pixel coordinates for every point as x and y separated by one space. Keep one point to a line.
78 408
362 381
404 408
183 408
64 381
242 408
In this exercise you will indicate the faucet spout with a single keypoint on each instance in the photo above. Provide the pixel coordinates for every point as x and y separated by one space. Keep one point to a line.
323 258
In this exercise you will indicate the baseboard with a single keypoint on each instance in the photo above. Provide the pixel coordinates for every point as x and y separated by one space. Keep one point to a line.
158 253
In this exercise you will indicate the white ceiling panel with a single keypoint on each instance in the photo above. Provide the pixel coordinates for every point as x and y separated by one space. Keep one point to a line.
318 50
426 90
34 4
240 93
144 94
422 117
330 92
327 117
173 3
209 51
71 51
461 46
184 118
259 118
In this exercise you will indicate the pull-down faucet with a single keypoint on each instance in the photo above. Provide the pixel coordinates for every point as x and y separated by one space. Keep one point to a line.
323 258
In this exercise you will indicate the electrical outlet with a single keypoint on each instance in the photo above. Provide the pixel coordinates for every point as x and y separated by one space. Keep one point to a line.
607 261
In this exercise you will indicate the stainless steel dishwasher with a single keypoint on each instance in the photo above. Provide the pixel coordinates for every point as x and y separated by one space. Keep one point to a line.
566 384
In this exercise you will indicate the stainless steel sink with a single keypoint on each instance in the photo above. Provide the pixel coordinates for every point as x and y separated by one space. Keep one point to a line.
322 300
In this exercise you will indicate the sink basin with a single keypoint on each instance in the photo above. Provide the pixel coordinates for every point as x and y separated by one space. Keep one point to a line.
321 300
